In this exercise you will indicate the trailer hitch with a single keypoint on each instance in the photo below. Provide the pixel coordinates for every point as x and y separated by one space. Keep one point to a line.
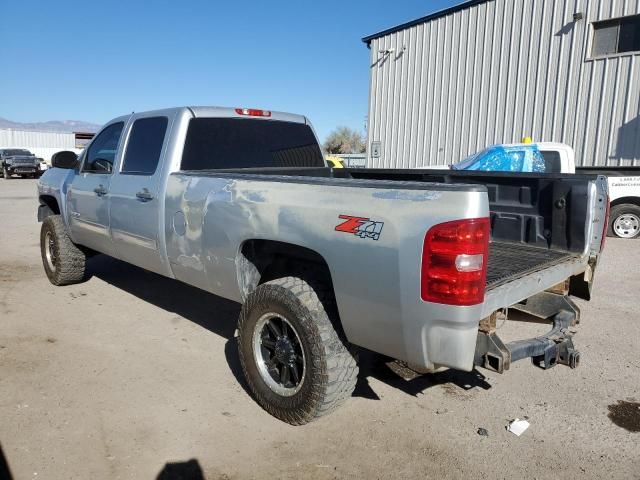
546 351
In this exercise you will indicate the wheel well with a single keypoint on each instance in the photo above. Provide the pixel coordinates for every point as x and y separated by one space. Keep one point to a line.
50 202
623 200
262 260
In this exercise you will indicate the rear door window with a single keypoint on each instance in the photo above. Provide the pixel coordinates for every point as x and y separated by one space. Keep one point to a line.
229 143
145 146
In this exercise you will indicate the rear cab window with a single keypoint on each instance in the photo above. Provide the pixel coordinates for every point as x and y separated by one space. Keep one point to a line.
552 161
231 143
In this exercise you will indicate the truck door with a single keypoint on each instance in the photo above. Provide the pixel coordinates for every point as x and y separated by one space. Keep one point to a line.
88 194
135 200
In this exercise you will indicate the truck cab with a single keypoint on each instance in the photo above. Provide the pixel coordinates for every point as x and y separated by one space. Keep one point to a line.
521 157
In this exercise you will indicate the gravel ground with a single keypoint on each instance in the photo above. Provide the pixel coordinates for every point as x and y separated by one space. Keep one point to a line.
129 375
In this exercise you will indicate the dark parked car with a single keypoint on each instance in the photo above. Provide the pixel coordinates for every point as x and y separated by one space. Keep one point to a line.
18 161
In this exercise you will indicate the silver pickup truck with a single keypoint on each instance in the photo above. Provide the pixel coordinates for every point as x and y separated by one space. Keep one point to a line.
415 265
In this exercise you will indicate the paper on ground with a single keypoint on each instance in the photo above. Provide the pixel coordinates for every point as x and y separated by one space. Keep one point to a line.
517 427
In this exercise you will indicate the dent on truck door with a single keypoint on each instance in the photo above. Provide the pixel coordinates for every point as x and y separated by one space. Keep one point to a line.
88 195
135 202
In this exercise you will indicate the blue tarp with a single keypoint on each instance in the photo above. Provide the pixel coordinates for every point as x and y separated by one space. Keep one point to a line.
500 158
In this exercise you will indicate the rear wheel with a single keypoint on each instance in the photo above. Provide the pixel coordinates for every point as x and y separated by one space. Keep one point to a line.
64 262
624 221
296 364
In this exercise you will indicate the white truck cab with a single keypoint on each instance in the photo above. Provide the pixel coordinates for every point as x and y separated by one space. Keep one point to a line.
559 157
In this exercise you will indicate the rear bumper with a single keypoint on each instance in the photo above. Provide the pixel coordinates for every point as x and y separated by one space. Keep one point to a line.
449 336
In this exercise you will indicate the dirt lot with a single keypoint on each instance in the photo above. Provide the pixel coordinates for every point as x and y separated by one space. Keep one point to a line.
117 377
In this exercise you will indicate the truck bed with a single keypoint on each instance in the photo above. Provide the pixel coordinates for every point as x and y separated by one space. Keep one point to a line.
537 220
508 261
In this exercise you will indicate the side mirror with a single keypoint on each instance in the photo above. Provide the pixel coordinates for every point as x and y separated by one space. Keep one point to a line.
64 159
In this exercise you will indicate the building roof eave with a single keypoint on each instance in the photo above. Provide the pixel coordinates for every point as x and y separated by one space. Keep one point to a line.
427 18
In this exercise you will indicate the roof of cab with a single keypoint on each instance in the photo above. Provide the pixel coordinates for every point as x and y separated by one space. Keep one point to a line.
214 112
230 112
548 145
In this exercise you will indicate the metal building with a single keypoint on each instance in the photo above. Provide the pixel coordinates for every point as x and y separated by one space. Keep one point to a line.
493 71
42 144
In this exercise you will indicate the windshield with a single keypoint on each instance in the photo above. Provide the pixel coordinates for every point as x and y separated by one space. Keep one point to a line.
220 143
16 151
499 158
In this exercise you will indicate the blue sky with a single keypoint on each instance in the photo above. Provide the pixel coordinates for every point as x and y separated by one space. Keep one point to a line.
80 60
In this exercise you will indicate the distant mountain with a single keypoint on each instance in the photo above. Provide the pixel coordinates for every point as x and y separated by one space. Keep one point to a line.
51 126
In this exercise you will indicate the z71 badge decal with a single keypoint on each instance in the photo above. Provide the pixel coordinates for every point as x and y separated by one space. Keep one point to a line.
360 226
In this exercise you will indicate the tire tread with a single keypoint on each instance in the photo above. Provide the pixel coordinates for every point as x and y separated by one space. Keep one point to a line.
337 363
72 260
618 210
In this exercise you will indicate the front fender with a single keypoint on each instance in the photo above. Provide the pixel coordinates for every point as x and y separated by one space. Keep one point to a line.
54 183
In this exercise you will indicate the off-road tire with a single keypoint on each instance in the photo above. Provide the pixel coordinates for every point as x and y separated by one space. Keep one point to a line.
617 211
69 262
331 369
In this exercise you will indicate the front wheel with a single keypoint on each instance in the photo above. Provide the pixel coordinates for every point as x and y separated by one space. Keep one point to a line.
6 174
624 221
64 263
296 364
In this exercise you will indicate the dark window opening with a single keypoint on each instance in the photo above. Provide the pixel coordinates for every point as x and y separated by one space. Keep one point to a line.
144 146
552 162
620 35
226 143
16 152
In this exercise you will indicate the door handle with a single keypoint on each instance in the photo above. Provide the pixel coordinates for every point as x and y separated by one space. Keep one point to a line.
144 195
100 190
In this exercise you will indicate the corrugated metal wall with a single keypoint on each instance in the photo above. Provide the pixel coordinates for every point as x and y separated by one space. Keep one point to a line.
498 71
26 139
41 144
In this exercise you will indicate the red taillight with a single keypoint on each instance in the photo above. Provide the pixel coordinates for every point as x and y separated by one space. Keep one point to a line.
253 112
454 262
606 224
